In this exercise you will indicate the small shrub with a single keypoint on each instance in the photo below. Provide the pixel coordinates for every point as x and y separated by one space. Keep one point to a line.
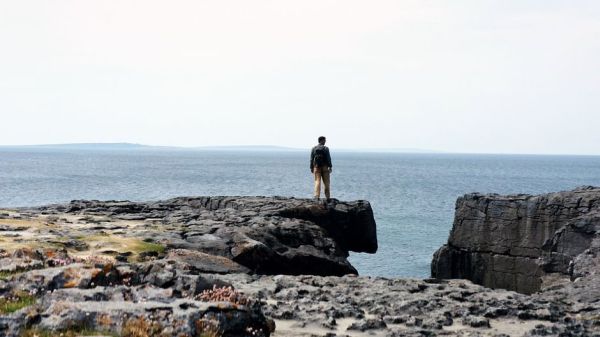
223 294
140 327
208 328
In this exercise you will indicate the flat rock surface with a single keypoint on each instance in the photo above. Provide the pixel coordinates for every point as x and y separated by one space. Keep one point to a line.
117 267
365 306
234 234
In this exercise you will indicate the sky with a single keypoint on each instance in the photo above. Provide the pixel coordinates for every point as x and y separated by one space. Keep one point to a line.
476 76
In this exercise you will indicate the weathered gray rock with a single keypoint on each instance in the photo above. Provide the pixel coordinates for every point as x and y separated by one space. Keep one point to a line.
170 269
158 299
375 306
167 318
258 234
205 263
114 265
511 242
548 245
574 238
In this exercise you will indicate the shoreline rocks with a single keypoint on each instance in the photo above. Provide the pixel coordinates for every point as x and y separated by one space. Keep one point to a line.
264 235
546 245
517 242
116 266
213 266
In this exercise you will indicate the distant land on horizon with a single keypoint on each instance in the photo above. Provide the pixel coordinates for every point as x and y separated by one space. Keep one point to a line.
241 148
142 147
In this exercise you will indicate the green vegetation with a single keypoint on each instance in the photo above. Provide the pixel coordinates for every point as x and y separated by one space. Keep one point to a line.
16 302
5 275
142 247
142 250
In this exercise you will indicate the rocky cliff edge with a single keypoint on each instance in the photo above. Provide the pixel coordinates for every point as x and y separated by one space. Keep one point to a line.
120 266
548 242
200 267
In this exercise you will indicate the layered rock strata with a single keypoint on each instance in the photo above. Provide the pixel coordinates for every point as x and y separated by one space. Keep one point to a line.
522 242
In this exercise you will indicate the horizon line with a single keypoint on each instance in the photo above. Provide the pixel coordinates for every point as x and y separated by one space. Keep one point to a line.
138 146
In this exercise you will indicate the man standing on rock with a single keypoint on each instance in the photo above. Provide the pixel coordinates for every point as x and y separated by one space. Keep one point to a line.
320 166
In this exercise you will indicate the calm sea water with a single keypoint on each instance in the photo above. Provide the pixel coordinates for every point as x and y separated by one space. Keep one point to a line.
413 195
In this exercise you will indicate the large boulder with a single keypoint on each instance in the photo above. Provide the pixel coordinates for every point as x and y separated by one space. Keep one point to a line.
515 241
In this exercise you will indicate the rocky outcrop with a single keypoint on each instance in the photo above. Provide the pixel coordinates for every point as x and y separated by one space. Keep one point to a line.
175 268
152 269
365 306
144 299
254 234
521 242
171 298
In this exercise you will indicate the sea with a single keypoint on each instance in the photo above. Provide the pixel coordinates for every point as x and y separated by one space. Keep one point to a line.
413 195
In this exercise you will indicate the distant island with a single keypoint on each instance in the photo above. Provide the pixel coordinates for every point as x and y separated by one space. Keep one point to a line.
83 146
142 147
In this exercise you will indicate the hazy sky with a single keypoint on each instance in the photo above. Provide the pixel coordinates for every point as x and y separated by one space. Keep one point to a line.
463 76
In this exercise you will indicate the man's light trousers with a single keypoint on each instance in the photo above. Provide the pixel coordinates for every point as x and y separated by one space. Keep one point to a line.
322 173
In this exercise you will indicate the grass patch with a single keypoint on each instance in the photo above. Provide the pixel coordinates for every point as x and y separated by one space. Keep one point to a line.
149 247
116 244
143 250
5 275
67 333
26 240
16 302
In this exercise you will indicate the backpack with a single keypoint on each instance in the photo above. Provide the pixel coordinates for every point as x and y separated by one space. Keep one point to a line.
320 156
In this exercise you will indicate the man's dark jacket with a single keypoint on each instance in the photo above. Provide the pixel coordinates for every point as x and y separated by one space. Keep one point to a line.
314 152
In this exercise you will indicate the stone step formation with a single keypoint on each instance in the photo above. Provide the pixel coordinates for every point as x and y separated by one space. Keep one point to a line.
243 266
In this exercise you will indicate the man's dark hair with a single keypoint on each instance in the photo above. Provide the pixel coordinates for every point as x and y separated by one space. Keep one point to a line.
322 138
